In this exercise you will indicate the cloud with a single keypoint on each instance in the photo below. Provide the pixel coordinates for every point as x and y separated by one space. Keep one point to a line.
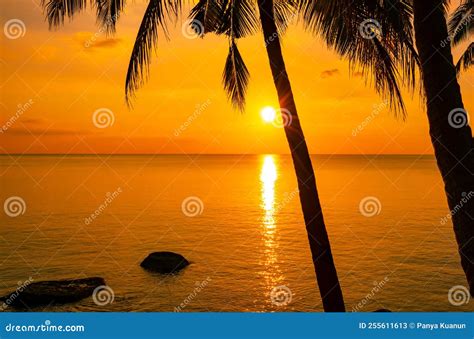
105 43
91 40
329 73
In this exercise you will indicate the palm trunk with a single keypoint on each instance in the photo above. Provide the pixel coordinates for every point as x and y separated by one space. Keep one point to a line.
452 145
326 274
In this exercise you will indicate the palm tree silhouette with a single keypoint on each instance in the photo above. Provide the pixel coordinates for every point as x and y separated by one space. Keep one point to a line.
460 26
450 132
238 19
324 266
235 18
389 49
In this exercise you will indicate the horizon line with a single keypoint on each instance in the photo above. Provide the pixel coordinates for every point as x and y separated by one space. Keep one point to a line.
208 154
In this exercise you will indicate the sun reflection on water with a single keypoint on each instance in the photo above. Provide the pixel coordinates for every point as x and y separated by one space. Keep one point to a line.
268 177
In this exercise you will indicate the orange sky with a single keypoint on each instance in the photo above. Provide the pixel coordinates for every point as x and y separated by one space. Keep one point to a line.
183 108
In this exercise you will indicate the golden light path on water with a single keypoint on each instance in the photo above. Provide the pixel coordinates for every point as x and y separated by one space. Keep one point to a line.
268 176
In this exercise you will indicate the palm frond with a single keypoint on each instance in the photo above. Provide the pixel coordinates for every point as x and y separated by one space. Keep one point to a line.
376 36
239 18
235 77
147 37
108 13
386 75
466 60
285 12
206 16
461 22
399 39
57 10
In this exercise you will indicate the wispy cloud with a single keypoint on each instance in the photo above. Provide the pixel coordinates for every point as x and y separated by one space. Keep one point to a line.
106 43
92 40
329 73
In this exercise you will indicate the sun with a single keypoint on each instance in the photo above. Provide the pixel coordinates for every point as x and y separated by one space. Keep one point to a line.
268 114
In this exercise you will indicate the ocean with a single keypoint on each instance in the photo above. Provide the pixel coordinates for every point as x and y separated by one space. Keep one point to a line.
237 219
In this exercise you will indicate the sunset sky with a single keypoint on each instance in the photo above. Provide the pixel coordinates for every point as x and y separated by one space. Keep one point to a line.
183 107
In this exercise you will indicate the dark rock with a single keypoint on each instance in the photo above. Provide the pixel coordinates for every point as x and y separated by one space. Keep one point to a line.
54 292
164 262
383 310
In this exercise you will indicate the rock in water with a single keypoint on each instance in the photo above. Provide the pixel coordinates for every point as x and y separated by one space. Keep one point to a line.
164 262
53 292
